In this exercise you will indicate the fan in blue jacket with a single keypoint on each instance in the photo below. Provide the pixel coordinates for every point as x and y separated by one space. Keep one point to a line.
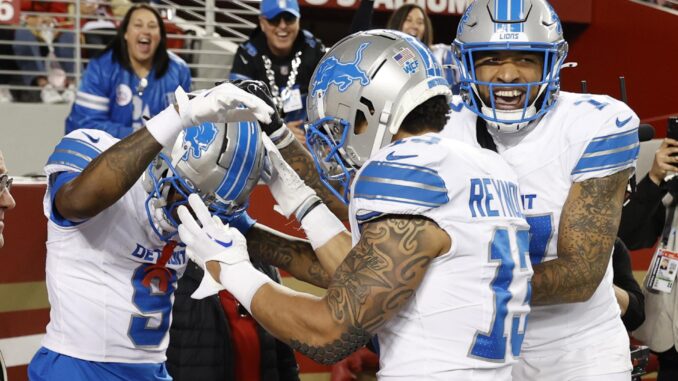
134 77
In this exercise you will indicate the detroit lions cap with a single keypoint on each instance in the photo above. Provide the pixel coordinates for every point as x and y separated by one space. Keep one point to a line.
271 8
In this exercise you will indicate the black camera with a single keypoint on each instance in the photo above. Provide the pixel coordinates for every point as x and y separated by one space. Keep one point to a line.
672 129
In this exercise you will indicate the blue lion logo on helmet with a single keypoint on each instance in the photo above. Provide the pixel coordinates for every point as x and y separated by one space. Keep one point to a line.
464 20
198 139
555 19
342 74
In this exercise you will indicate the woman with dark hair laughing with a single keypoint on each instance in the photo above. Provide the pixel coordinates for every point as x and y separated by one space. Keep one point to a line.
134 77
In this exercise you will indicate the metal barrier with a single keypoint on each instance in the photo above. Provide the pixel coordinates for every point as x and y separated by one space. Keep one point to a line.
205 34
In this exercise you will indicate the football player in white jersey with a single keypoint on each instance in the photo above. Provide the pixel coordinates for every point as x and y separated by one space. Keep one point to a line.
110 277
438 268
573 154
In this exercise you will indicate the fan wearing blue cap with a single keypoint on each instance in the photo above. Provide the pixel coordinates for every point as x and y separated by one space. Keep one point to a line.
283 56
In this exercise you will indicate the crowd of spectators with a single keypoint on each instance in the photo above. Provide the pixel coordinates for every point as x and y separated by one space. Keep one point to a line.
134 78
671 4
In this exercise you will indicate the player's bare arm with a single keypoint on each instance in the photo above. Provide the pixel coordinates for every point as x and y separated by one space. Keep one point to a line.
377 278
113 173
108 177
294 255
301 161
324 230
588 226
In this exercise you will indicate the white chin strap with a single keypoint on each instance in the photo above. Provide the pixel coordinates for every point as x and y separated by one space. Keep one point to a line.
508 128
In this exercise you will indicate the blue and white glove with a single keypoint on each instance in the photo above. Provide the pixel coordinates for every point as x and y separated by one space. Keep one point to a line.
221 104
288 189
292 195
215 241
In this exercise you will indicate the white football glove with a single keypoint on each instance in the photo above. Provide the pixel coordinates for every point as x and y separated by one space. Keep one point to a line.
287 188
214 241
221 104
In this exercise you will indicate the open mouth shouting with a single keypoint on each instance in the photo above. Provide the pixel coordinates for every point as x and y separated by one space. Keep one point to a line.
509 98
144 45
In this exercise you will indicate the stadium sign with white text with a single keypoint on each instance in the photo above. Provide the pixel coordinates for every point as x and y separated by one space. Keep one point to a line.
443 7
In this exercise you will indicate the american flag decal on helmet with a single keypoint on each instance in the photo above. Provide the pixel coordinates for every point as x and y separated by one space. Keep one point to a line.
407 61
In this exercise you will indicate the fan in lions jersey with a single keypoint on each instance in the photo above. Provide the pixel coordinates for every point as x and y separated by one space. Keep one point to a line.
438 266
573 154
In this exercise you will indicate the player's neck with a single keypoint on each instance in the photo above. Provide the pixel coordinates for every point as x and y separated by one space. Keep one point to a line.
402 134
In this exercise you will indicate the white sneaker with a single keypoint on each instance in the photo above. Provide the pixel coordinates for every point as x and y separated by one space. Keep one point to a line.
50 95
5 95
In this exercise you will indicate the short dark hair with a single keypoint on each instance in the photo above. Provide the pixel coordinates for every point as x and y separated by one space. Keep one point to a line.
428 116
119 45
399 16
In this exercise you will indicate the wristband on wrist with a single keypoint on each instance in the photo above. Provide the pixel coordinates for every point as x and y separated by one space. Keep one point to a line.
242 280
306 207
282 137
321 225
165 127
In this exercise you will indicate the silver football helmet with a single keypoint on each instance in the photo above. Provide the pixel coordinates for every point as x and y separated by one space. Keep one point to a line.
360 93
516 25
222 163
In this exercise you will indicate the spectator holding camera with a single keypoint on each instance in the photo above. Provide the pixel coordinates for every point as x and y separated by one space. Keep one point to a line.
649 214
283 56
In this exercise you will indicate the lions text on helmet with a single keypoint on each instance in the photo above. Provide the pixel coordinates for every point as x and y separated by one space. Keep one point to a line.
510 55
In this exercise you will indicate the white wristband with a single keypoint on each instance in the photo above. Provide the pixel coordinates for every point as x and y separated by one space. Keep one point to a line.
242 280
321 225
282 137
165 127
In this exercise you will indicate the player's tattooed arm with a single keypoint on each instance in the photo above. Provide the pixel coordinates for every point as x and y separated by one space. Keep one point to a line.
108 177
588 227
302 162
377 278
289 253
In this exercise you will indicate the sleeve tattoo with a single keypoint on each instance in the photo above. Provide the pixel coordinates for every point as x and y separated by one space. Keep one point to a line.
379 275
301 161
588 227
108 177
290 254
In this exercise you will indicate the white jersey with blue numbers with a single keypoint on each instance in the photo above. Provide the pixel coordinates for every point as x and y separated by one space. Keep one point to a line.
469 312
100 309
114 99
583 137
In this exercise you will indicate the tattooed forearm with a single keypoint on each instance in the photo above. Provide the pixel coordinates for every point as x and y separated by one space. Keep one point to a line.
125 161
290 254
588 226
301 161
108 177
350 341
375 281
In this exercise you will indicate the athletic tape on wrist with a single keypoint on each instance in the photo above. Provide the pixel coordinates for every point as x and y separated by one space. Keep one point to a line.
242 280
282 137
165 127
307 206
321 225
